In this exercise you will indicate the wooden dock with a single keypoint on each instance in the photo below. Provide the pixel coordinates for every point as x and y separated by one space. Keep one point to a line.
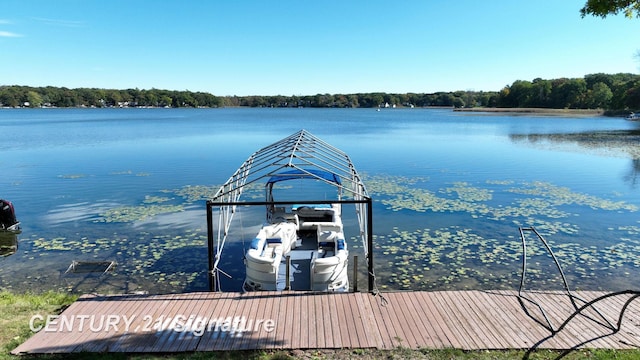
467 320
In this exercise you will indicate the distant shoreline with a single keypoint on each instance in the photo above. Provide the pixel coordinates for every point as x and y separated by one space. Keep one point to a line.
540 111
504 111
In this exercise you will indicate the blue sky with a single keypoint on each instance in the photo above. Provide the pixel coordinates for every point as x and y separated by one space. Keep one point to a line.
308 47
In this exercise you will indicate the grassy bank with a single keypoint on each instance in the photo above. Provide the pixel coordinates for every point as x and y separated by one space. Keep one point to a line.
17 309
536 111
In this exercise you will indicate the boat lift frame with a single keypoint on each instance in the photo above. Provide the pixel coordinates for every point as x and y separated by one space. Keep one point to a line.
306 155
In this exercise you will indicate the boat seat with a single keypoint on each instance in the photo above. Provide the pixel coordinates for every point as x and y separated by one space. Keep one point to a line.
329 273
284 217
310 216
328 232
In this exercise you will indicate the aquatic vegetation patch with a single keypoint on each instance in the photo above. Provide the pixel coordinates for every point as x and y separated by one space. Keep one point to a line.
441 258
559 195
454 258
468 193
457 257
193 193
630 230
155 205
500 182
484 253
72 176
57 243
543 203
155 199
136 213
146 261
130 172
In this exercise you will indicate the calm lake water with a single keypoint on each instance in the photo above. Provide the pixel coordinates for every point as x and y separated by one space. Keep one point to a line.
450 190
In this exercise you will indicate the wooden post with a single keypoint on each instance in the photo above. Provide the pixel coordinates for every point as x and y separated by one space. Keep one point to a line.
287 281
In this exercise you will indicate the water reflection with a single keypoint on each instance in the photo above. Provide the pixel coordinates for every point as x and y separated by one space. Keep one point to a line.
615 143
8 243
633 174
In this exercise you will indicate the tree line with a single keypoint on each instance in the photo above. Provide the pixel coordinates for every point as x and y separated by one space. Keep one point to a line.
26 96
595 91
614 92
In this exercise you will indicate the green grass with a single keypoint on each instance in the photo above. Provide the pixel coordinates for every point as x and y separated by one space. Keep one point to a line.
17 309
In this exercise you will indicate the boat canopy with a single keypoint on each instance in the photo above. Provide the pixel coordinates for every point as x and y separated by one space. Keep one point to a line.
298 156
304 174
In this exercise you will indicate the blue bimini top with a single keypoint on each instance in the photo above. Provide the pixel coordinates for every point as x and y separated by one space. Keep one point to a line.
308 173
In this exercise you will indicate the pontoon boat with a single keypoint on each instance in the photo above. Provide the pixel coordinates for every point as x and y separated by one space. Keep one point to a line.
301 244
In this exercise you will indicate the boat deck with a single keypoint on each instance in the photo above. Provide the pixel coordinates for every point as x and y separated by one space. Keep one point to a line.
469 320
300 271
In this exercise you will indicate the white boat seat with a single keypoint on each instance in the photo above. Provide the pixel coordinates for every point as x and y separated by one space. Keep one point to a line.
329 232
311 216
330 273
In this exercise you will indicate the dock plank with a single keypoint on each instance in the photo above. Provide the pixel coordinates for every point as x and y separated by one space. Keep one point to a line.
468 320
510 323
305 328
372 325
334 318
356 319
462 338
379 306
316 330
343 324
272 310
441 319
219 308
512 308
285 328
630 329
65 342
483 325
324 314
192 337
558 308
169 338
87 339
233 339
275 312
429 338
297 321
439 333
407 319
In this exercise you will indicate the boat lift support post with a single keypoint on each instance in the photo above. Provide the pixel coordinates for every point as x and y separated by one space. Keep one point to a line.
370 274
211 273
210 246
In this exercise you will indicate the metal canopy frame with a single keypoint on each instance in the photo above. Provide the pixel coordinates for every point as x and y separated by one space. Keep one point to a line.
310 158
